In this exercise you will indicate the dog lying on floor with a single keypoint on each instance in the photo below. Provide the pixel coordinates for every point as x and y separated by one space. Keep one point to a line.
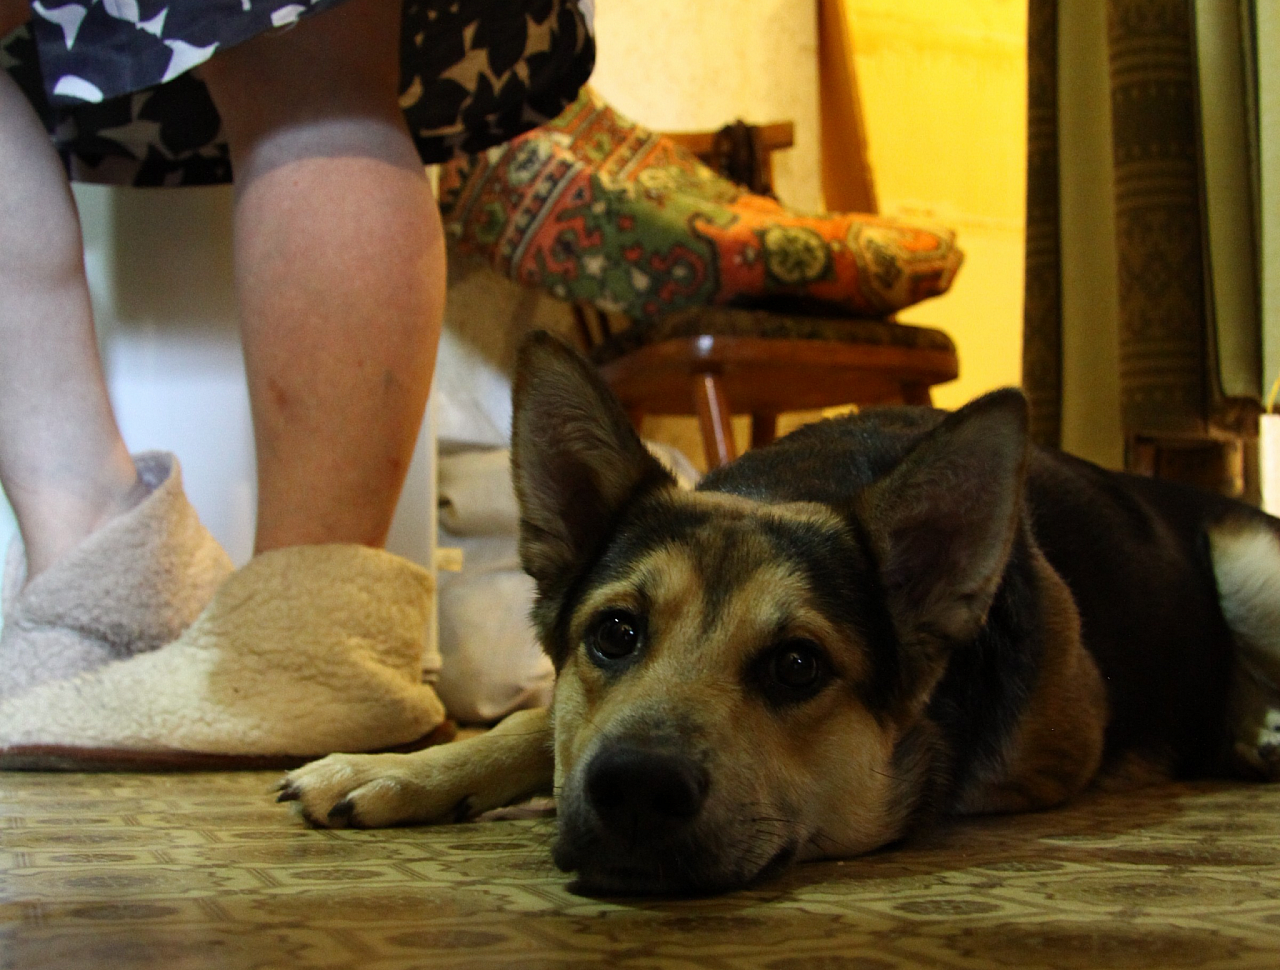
872 622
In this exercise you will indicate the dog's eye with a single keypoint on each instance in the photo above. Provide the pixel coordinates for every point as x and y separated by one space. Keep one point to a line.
795 666
792 672
615 635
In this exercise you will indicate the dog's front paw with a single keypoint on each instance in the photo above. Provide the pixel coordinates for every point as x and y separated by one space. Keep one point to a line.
1257 748
445 783
1268 745
369 791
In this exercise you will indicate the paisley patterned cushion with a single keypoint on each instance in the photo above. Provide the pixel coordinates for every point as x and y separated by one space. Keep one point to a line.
597 208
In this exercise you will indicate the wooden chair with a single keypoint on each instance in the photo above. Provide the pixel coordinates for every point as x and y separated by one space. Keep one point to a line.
713 362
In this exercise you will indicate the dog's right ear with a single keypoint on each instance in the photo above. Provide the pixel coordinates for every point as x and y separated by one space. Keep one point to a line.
575 459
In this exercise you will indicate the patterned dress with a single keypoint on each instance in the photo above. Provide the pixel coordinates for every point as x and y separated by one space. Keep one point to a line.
112 79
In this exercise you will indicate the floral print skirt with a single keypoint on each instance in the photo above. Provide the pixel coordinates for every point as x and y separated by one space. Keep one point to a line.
112 79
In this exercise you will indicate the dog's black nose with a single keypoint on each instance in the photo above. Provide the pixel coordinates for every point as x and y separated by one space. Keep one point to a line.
639 793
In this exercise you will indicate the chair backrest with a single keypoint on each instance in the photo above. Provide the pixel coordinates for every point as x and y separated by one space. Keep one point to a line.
740 152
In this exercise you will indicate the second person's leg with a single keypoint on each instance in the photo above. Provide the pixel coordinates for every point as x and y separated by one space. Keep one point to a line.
64 465
113 560
317 644
340 270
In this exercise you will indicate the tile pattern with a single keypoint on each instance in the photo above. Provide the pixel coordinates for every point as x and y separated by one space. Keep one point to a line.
122 872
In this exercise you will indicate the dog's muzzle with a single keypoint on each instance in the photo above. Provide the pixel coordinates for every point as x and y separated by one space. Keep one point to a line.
638 794
628 823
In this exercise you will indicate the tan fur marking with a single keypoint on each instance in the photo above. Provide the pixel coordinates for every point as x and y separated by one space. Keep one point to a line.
820 773
807 512
774 591
1058 745
665 576
585 706
1137 769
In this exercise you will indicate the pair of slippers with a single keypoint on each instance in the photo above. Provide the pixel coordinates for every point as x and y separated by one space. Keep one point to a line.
143 648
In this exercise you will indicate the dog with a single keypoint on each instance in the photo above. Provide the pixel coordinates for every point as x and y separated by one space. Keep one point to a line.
871 623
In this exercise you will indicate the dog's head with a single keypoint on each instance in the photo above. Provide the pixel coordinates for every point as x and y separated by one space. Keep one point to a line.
742 679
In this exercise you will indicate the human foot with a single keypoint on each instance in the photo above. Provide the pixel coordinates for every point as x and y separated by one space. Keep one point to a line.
305 651
133 585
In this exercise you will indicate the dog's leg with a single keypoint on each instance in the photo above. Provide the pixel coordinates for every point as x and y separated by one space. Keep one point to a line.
442 784
1057 746
1246 564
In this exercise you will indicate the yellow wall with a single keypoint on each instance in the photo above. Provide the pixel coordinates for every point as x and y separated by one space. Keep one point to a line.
943 88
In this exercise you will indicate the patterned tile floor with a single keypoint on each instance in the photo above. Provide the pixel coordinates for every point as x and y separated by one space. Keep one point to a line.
121 872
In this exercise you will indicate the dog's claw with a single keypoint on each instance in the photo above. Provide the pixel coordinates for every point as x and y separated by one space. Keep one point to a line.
287 793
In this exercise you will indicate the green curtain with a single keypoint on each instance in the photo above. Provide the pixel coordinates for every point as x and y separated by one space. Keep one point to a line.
1142 278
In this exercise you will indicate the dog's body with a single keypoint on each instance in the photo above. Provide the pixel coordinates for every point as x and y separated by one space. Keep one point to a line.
870 622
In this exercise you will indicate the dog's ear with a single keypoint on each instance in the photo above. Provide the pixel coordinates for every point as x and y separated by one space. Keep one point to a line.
943 521
575 459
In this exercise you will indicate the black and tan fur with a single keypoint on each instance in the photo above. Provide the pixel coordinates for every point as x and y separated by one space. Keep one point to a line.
870 623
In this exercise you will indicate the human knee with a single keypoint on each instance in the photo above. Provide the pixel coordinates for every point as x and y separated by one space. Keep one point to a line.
337 64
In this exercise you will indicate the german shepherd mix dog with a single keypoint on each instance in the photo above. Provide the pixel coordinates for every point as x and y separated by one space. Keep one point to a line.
872 622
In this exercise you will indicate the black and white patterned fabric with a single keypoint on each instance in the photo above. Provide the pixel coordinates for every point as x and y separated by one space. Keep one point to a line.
112 78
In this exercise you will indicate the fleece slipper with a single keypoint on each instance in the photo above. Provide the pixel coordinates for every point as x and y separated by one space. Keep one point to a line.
132 586
305 651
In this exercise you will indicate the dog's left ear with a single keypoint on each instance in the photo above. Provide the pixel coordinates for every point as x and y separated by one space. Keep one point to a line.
944 520
575 459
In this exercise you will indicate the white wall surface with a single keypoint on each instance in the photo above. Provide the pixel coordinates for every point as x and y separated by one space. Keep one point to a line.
676 65
159 264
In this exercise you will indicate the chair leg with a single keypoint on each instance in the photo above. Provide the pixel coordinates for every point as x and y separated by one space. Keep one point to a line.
764 428
714 419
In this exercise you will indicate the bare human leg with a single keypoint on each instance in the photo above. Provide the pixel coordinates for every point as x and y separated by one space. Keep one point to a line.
63 464
113 560
340 270
317 644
